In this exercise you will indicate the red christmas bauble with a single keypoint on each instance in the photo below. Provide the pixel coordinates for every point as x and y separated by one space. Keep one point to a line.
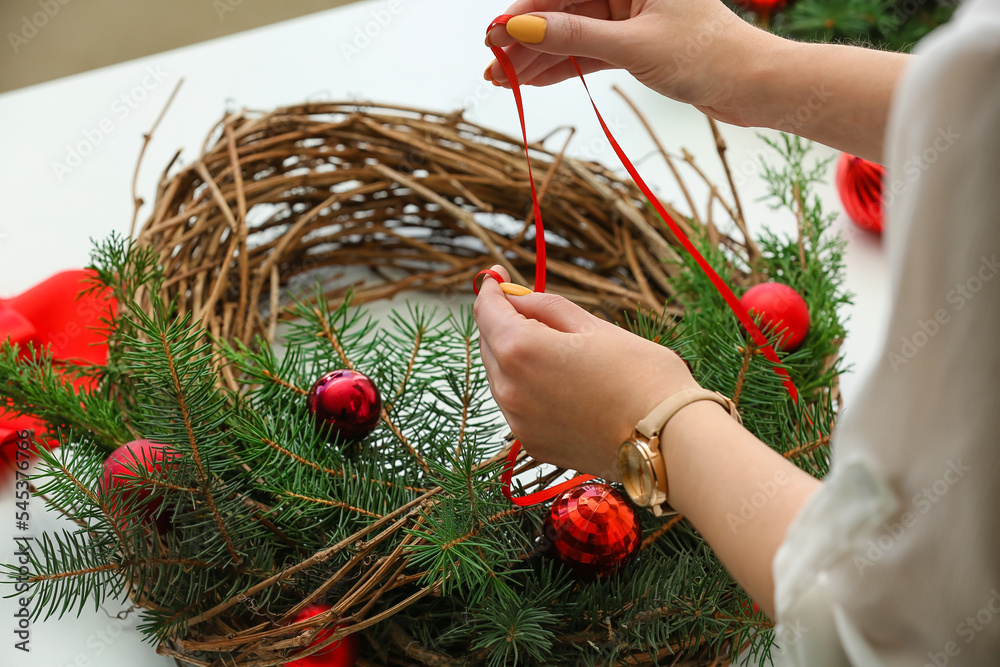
594 529
347 402
762 7
859 184
780 309
119 471
338 654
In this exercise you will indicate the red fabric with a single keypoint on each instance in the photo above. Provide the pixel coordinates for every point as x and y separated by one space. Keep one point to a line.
724 290
53 314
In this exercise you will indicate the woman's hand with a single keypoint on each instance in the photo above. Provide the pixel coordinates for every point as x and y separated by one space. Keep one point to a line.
694 51
571 386
699 52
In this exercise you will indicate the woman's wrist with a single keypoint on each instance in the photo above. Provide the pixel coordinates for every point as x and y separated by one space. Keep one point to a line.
835 94
736 491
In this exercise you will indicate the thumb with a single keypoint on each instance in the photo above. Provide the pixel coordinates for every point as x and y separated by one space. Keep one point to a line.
571 35
553 311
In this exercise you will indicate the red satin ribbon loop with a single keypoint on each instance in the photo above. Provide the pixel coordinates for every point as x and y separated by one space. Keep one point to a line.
538 496
727 294
477 283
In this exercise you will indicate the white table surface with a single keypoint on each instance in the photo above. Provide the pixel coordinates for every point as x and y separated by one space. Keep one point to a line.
428 54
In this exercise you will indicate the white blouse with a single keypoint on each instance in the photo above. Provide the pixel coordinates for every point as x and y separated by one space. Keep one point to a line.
896 560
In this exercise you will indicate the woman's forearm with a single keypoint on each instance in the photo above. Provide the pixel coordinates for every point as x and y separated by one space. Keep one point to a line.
834 94
739 493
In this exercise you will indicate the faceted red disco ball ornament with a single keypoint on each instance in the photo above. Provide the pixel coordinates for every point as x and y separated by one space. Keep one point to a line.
859 184
762 7
347 402
594 529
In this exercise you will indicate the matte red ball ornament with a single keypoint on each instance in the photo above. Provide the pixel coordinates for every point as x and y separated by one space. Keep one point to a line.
338 654
594 529
859 184
780 308
347 402
120 471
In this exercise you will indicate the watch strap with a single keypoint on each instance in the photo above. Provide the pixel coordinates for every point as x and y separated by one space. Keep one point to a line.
661 414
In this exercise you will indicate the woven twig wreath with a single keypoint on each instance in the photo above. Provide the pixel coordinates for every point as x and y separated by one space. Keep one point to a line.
422 199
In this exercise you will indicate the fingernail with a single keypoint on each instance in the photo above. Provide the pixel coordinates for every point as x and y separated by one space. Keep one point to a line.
487 75
488 40
527 29
514 289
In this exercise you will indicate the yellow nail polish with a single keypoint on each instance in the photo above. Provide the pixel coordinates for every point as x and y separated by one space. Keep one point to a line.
487 74
514 289
488 41
526 28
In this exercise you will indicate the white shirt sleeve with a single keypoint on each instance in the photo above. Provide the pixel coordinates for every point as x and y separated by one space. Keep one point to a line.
896 560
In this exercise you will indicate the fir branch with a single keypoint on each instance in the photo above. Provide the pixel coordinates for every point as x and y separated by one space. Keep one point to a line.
333 503
660 532
179 392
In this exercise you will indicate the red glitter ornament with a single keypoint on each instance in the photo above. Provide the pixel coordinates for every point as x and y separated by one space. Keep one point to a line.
594 529
347 402
338 654
781 309
859 184
119 471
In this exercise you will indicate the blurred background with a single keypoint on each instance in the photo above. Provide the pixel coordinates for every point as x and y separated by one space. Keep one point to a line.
74 36
48 39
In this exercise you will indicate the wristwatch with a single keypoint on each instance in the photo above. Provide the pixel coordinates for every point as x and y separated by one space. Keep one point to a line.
640 461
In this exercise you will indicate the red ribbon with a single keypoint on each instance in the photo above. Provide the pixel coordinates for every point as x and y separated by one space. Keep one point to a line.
53 314
727 294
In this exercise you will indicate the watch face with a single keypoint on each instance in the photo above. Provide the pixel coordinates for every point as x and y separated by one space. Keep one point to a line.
636 473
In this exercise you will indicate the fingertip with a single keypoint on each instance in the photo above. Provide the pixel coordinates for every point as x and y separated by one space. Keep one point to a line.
502 271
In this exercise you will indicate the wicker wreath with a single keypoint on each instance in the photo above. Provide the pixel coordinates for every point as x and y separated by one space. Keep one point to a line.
420 199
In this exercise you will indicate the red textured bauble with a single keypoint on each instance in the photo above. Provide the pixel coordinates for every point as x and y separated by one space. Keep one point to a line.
347 402
338 654
859 184
762 7
594 529
781 309
119 471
